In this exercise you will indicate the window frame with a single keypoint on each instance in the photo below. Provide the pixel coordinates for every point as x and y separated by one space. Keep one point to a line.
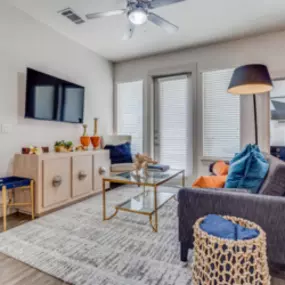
204 157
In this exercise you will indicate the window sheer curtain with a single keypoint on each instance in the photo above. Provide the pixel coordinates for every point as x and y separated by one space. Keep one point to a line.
221 115
130 113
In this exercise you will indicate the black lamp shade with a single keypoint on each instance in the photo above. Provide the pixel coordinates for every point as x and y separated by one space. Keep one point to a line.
250 79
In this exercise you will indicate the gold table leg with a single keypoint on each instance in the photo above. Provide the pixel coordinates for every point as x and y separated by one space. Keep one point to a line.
155 226
32 198
150 221
4 207
105 218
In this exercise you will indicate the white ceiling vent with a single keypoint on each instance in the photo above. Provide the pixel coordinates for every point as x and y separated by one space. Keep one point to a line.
68 13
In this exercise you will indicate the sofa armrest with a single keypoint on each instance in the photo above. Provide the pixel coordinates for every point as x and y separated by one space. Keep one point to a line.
266 211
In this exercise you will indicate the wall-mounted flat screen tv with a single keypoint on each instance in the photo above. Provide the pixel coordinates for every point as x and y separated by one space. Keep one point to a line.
53 99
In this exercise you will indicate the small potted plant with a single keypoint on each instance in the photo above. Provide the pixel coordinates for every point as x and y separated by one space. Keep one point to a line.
59 146
68 146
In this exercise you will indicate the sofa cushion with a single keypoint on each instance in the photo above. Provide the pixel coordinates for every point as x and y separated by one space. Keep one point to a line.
120 153
274 184
248 170
210 182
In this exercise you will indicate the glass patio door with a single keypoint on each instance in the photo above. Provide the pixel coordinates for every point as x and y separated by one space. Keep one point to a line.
172 119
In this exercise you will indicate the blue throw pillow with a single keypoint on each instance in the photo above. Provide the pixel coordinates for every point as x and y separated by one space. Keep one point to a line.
241 154
248 169
255 173
218 226
120 153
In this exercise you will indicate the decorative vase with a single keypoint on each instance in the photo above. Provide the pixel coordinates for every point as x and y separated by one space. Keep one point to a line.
96 140
85 139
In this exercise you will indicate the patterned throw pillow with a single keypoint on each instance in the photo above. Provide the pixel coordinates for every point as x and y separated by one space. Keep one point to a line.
219 168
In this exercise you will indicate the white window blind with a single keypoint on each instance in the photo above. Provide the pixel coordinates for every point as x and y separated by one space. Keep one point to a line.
130 112
221 115
172 122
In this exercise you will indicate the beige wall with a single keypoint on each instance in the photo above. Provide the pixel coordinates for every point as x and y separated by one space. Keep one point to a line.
267 49
24 42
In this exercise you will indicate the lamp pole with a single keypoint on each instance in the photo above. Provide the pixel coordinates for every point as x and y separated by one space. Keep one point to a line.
255 119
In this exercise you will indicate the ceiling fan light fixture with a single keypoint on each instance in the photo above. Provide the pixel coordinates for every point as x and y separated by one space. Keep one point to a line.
138 16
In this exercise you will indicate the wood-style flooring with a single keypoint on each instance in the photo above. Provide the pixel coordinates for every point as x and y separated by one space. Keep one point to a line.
13 272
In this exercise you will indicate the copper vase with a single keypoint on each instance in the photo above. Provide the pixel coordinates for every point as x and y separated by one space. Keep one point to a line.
95 139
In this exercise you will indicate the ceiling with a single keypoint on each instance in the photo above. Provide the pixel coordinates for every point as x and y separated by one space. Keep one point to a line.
200 21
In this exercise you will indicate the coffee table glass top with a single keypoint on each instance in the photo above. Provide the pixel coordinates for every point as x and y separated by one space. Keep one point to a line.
154 177
144 202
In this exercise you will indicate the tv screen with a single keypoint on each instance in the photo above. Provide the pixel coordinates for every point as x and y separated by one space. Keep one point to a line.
53 99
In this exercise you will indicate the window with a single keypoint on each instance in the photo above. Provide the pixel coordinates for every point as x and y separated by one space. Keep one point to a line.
277 112
173 121
221 115
130 112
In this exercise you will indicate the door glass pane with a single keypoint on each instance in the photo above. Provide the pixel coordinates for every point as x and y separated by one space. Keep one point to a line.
172 121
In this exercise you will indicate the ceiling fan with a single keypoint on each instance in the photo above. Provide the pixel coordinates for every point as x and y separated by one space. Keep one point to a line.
139 12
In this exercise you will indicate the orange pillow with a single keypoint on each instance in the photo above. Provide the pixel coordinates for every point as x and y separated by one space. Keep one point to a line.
220 168
210 182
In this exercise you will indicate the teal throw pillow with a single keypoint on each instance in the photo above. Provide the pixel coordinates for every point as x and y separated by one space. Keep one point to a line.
248 170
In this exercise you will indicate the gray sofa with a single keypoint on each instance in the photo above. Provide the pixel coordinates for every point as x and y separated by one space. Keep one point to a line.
267 209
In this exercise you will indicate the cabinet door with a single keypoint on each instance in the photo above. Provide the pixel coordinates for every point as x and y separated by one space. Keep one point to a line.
101 169
56 181
81 175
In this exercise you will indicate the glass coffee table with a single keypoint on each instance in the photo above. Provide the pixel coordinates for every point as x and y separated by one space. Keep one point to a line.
148 202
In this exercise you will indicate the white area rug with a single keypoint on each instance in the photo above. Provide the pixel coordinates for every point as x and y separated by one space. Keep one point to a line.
74 244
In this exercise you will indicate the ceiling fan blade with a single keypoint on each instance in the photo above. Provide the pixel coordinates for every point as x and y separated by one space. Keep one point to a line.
129 32
160 3
105 14
162 23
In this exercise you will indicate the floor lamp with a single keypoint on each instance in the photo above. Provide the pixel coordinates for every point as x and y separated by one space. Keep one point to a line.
251 79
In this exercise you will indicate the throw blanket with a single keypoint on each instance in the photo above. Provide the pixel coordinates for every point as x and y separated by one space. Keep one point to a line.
218 226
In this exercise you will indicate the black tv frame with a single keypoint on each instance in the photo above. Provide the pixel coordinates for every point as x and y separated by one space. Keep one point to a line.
28 98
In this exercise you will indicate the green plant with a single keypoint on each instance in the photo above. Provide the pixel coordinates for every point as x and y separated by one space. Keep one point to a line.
59 143
68 144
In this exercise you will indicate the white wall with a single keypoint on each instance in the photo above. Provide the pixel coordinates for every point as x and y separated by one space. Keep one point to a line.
24 43
267 49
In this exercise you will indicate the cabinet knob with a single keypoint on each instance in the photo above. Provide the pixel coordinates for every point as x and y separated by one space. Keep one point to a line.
82 175
102 170
57 180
